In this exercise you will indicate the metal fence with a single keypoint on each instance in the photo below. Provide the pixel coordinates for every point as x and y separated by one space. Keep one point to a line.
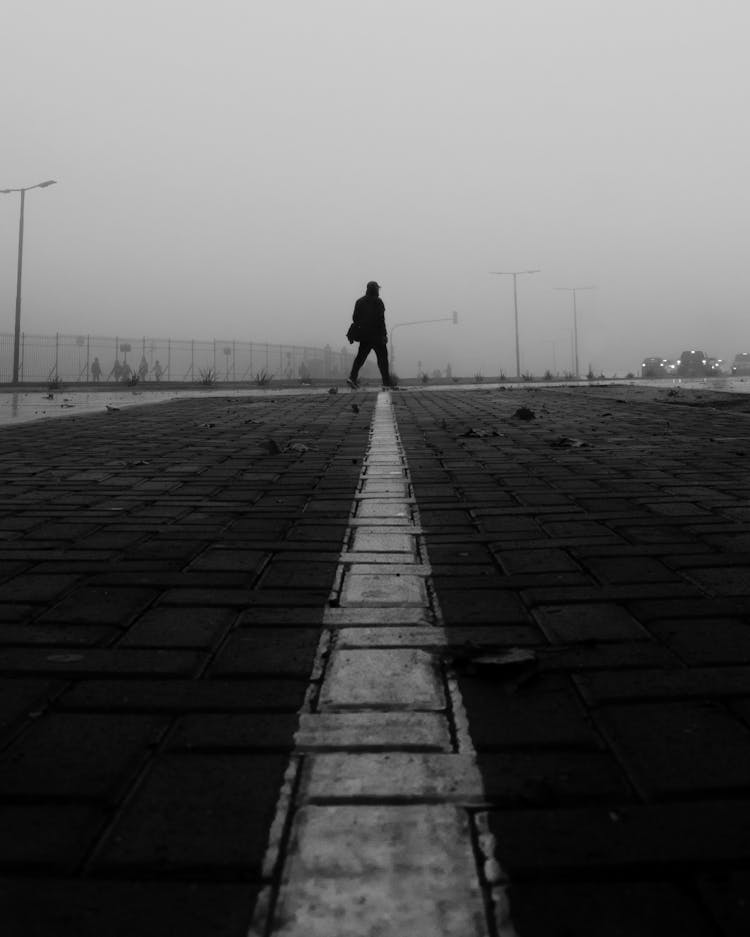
95 358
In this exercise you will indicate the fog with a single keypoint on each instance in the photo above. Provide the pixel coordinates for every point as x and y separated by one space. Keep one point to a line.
242 169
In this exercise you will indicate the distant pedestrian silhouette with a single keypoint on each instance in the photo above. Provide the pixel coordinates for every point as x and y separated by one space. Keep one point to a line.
143 369
96 370
368 320
157 371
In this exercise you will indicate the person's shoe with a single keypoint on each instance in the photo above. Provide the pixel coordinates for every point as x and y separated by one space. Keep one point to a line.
354 384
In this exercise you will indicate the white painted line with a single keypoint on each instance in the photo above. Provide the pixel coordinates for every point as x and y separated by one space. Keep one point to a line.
381 835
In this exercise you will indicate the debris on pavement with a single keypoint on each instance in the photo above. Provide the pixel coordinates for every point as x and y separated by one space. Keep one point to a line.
568 442
523 413
513 666
480 433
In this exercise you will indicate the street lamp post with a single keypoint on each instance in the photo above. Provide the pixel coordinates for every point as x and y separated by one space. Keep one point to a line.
17 332
574 290
515 274
453 317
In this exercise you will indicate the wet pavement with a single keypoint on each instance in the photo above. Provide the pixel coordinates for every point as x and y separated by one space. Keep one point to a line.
226 700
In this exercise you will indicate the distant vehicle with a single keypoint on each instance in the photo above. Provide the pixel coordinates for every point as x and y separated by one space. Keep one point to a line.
670 367
692 364
714 367
654 367
741 364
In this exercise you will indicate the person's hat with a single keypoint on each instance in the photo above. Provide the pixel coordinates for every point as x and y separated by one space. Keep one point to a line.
373 285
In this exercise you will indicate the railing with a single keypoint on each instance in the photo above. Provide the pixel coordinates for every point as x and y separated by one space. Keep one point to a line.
87 358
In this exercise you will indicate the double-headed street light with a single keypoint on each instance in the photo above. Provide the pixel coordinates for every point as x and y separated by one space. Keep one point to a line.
17 333
574 290
514 274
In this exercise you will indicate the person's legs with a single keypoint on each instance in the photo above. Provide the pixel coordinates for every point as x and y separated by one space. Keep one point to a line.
381 353
364 350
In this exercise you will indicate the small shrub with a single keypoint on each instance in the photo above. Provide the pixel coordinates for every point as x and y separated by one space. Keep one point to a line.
502 377
55 384
425 379
630 376
133 380
527 376
548 375
478 378
263 377
208 377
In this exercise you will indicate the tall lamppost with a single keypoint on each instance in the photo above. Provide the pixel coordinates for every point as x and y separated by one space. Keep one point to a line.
574 290
514 274
17 333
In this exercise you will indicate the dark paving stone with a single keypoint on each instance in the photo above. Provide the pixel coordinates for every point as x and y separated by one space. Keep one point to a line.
185 696
552 778
22 699
465 607
614 909
712 641
544 714
100 606
86 661
234 732
96 908
231 559
683 748
77 756
47 837
267 651
197 812
595 621
20 635
727 894
179 627
643 685
537 561
628 838
32 589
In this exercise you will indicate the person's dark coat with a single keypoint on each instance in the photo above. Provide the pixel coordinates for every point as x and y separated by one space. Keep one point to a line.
369 317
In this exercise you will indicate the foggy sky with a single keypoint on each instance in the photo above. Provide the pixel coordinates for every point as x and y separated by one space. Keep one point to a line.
241 169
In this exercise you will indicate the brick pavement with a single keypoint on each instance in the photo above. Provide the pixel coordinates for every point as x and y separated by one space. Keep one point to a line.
608 536
163 576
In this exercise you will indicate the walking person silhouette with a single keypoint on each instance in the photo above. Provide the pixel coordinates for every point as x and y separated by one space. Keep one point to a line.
368 321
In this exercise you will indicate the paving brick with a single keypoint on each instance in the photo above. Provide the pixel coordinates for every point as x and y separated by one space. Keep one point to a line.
594 621
78 756
179 627
264 651
35 589
552 778
185 696
726 892
92 908
294 576
100 606
632 839
84 660
47 837
712 641
546 713
536 561
695 683
197 812
464 607
234 732
20 698
230 559
616 908
681 748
